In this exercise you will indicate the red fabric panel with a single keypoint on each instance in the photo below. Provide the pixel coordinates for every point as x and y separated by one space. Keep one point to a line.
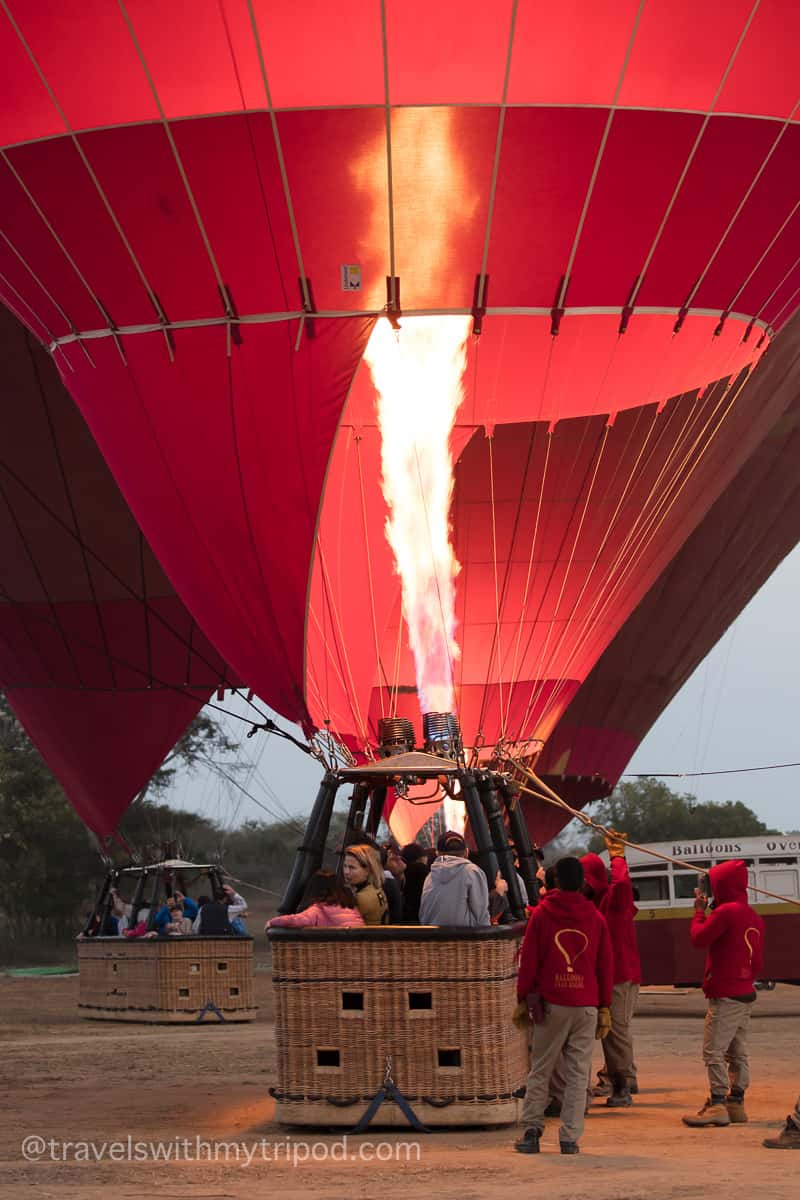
770 203
681 52
571 52
207 79
764 77
777 265
447 53
638 174
725 165
230 470
320 53
89 61
104 747
545 167
336 166
26 110
74 573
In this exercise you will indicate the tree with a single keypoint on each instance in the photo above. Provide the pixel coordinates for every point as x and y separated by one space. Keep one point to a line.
201 740
649 811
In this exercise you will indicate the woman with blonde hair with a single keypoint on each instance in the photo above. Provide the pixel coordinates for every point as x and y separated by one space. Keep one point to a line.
363 874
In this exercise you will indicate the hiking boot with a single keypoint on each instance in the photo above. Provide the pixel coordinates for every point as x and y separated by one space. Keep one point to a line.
633 1088
713 1112
787 1139
735 1107
528 1143
602 1088
569 1147
620 1098
553 1109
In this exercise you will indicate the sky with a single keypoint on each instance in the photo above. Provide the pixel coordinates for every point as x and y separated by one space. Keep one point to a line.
741 708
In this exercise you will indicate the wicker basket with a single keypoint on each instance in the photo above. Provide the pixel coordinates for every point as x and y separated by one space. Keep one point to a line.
166 979
436 1003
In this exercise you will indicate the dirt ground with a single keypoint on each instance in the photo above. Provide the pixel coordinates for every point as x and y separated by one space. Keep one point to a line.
76 1081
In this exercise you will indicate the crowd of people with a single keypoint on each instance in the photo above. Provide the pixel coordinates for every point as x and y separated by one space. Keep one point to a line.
579 969
218 915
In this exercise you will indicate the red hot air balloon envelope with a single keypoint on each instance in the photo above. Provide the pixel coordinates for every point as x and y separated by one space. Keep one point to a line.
99 658
204 237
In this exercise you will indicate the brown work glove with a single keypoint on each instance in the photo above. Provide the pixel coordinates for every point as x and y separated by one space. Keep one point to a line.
603 1028
521 1016
615 844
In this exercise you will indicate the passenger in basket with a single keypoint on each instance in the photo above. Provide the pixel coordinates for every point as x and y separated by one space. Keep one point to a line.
614 900
733 934
417 871
363 874
456 891
330 904
212 920
178 924
565 978
237 910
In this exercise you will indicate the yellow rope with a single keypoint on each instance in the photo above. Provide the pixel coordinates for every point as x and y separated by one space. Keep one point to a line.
550 797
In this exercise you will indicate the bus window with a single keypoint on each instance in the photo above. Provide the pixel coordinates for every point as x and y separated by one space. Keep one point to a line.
684 885
651 888
783 882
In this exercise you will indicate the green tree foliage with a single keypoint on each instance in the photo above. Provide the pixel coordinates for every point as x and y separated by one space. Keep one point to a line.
649 811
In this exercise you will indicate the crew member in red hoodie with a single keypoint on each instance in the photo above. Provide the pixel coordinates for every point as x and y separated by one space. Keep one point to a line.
733 934
565 979
615 901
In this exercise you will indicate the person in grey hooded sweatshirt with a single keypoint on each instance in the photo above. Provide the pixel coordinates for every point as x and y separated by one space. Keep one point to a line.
456 891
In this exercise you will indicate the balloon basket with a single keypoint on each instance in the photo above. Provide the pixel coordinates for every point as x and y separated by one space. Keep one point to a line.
166 980
427 1007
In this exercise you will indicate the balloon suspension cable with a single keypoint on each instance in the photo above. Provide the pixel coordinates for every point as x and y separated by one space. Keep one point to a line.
269 726
548 796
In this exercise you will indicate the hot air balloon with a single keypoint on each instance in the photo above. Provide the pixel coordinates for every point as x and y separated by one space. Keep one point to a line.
601 201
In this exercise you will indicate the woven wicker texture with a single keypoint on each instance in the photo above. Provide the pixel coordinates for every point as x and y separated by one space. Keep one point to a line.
162 977
440 1010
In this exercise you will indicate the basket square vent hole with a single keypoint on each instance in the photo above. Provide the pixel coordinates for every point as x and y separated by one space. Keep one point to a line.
449 1059
183 991
222 966
352 1003
420 1002
328 1059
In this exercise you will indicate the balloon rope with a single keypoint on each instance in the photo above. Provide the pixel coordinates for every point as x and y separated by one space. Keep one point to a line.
379 667
547 795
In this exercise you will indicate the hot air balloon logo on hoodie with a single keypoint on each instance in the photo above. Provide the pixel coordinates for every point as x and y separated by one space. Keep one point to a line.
751 929
571 944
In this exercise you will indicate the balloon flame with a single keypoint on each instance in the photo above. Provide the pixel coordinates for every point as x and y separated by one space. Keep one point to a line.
418 378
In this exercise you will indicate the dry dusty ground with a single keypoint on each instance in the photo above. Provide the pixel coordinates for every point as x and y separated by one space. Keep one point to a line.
73 1080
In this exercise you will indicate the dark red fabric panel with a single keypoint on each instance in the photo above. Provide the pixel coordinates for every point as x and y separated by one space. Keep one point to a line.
236 462
545 167
771 202
726 162
778 264
638 174
103 747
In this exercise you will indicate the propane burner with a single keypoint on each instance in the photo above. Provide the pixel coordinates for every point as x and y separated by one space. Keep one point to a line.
395 736
442 735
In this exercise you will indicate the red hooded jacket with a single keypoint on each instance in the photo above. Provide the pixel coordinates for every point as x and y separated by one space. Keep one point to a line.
615 901
566 953
732 932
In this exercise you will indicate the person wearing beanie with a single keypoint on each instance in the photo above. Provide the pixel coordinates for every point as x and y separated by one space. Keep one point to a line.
614 900
455 891
566 973
733 934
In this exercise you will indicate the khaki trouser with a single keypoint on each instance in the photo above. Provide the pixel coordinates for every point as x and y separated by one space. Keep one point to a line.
571 1031
618 1045
725 1045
